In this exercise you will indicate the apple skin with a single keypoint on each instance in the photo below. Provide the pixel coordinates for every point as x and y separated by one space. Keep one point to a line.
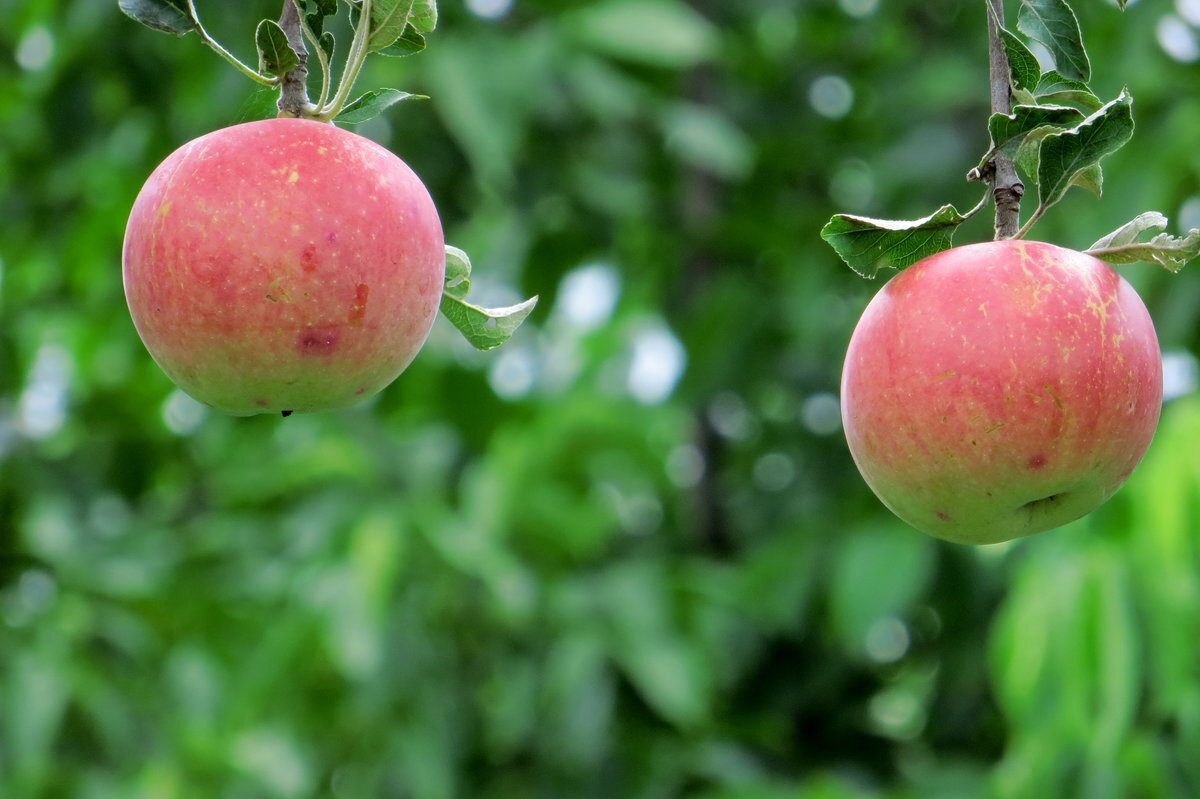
1000 389
283 265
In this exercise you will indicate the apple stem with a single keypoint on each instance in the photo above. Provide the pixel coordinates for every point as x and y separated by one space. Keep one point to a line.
293 87
359 47
1000 172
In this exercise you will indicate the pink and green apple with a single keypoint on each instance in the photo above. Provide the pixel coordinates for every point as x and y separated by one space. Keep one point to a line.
1001 389
283 265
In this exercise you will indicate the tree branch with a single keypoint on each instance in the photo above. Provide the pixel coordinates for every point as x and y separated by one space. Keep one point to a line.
1000 172
293 88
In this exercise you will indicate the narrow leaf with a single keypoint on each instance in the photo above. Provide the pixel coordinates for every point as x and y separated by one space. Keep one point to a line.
869 245
372 104
1054 88
327 43
1009 130
1053 23
1022 64
169 16
411 41
424 15
1064 154
388 21
275 55
1124 245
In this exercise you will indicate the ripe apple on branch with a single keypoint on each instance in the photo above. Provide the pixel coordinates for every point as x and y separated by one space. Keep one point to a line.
289 265
996 390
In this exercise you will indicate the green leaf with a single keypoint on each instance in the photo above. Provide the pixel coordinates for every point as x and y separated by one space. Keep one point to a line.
1028 153
1124 245
1064 154
1055 88
662 33
410 42
372 104
458 273
869 245
388 21
1022 64
169 16
424 15
1053 23
315 12
275 55
1090 178
485 328
1009 130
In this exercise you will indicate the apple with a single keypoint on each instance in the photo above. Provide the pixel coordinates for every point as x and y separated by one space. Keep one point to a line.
283 265
1000 389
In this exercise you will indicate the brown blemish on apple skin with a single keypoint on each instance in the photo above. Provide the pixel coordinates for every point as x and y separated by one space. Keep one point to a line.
262 403
941 514
359 309
1037 461
317 342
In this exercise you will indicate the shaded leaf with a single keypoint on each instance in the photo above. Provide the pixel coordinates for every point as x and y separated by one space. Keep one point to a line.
1028 153
1090 178
1064 154
662 33
275 55
410 42
1056 88
168 16
1124 245
372 104
1022 64
485 328
315 12
327 43
1009 130
1053 23
869 245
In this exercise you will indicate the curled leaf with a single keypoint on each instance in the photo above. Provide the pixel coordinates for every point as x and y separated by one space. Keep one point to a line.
1124 245
484 328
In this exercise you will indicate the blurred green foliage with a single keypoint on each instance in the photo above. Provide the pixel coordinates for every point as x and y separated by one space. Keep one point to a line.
627 555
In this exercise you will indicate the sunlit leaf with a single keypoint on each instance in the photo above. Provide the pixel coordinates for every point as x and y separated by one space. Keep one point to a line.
1124 245
869 245
372 104
484 328
1064 154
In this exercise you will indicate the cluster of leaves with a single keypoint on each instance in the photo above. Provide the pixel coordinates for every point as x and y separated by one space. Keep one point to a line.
1056 135
393 28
